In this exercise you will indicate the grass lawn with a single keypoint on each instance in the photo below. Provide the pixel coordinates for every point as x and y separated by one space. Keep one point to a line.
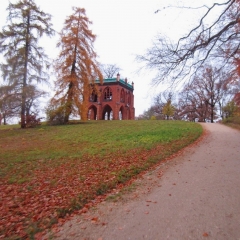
50 171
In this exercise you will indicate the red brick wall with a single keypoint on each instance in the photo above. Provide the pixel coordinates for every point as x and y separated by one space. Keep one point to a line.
112 100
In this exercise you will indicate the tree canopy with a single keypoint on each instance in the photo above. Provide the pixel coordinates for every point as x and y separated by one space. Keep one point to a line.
76 68
25 60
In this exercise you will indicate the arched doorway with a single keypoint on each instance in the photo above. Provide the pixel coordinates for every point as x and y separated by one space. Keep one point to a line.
92 113
121 115
107 113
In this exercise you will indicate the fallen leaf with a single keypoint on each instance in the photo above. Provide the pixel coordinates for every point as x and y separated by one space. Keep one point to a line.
84 210
94 219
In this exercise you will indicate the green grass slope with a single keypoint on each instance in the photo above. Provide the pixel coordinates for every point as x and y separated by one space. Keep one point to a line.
49 171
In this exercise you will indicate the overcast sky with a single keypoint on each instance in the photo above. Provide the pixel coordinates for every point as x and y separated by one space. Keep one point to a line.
124 28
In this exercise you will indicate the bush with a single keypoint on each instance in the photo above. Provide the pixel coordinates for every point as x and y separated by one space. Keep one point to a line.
32 121
55 116
233 120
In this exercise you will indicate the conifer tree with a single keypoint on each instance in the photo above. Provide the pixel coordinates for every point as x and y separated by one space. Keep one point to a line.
25 61
76 68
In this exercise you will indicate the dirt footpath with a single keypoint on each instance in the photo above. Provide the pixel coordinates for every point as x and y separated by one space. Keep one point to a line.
193 196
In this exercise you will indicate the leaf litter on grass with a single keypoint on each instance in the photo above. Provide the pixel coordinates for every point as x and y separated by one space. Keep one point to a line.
44 190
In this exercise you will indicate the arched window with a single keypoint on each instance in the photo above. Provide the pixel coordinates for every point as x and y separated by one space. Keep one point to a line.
129 99
122 96
107 94
93 97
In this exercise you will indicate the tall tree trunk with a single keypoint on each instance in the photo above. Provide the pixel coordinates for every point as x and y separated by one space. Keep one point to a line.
23 105
4 119
212 113
68 108
212 109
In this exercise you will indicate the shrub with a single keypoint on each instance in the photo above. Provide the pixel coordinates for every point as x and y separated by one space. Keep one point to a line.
32 121
55 116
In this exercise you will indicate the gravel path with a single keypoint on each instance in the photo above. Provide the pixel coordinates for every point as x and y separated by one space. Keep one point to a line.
196 195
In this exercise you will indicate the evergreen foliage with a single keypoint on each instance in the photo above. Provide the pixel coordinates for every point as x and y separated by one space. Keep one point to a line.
25 61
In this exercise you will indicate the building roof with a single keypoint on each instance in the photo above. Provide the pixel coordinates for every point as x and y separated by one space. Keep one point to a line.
114 80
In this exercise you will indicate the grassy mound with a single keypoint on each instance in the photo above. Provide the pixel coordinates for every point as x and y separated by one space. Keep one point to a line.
50 171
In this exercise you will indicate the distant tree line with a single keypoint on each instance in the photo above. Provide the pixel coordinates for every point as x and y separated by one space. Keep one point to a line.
211 95
207 60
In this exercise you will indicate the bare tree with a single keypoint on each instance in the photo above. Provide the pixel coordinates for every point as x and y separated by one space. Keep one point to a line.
110 70
192 104
147 114
217 41
158 104
162 107
205 92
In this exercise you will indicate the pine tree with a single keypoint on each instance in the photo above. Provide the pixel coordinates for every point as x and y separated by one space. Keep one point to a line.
76 68
25 61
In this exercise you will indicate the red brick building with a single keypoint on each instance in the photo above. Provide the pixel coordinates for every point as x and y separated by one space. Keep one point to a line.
113 100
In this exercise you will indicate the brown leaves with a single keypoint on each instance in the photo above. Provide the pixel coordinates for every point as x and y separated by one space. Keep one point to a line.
75 67
57 187
54 191
205 234
94 219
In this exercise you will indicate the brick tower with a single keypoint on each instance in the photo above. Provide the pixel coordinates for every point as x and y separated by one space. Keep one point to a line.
112 100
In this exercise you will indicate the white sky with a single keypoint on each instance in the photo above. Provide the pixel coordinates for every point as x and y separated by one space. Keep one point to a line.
124 28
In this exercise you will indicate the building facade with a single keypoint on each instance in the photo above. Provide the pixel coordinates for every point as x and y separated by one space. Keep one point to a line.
112 100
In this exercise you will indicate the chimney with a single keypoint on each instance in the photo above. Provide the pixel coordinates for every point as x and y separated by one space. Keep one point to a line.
125 80
118 77
133 85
